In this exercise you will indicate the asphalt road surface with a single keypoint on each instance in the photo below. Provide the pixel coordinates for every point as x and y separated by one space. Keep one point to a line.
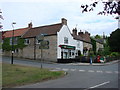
78 76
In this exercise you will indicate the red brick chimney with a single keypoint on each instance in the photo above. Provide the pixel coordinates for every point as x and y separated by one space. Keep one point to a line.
64 21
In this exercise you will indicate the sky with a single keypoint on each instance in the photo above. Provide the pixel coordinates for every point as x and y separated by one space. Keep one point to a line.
47 12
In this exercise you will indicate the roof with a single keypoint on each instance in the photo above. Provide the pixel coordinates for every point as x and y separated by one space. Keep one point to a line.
48 29
17 32
77 37
101 41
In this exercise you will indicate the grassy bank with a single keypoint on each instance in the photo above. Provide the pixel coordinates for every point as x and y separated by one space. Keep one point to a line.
15 75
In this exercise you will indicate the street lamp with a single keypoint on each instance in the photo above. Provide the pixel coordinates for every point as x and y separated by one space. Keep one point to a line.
12 42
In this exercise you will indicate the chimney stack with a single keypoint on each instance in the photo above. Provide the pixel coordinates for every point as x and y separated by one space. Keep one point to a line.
74 32
30 25
87 33
64 21
81 34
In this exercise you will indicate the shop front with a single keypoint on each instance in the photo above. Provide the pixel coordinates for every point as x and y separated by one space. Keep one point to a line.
67 51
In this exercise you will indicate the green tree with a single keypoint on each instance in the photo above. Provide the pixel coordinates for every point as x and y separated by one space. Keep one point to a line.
97 37
110 7
114 41
94 45
7 47
106 50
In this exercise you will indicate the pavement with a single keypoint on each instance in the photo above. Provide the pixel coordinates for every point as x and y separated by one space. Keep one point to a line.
76 63
96 64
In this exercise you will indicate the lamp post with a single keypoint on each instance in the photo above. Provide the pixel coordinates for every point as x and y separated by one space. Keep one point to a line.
12 42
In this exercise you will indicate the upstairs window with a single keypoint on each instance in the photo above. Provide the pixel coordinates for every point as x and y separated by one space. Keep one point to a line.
15 40
65 40
27 42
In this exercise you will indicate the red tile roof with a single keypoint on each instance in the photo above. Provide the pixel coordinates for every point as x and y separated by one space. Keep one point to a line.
48 29
17 32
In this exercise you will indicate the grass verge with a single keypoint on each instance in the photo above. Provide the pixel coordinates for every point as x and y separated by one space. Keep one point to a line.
17 75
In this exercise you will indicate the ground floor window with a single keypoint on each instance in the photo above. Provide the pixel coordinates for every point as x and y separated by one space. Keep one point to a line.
66 54
67 51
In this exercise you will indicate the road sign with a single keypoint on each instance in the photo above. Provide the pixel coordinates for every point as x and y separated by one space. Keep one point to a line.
40 37
44 44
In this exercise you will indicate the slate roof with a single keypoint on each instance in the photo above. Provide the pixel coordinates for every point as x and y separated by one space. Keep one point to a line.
76 37
48 29
101 41
17 32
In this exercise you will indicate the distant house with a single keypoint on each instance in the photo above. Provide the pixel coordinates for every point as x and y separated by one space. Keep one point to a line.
62 45
99 44
85 38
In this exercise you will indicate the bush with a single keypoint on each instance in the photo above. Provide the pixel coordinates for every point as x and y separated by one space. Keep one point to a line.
115 54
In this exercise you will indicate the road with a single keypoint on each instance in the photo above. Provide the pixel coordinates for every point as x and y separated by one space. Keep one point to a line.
84 77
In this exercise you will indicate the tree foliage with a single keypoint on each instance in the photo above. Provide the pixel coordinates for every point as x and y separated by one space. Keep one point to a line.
111 7
114 41
7 47
98 36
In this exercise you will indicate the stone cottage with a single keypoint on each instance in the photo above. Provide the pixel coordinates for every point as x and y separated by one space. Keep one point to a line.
85 37
7 41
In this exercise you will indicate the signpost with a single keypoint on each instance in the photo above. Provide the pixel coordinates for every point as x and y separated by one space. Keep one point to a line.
42 44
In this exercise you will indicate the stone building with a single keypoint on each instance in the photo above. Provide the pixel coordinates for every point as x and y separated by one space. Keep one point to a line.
85 37
61 43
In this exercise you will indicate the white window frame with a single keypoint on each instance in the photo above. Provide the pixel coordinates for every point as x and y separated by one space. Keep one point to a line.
38 41
65 40
15 42
27 42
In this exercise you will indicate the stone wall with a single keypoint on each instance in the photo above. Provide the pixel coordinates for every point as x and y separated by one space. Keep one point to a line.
99 46
32 50
48 54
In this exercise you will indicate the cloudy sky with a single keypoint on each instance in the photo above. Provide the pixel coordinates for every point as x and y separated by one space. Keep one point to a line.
46 12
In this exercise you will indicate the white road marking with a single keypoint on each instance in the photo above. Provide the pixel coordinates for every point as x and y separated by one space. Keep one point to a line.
73 69
99 71
100 84
116 72
82 70
108 72
91 71
58 68
64 69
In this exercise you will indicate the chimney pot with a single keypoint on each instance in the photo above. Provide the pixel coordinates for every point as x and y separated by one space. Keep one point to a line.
75 31
64 21
30 25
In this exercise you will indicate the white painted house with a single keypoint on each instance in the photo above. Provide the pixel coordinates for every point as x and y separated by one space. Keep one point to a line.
67 46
